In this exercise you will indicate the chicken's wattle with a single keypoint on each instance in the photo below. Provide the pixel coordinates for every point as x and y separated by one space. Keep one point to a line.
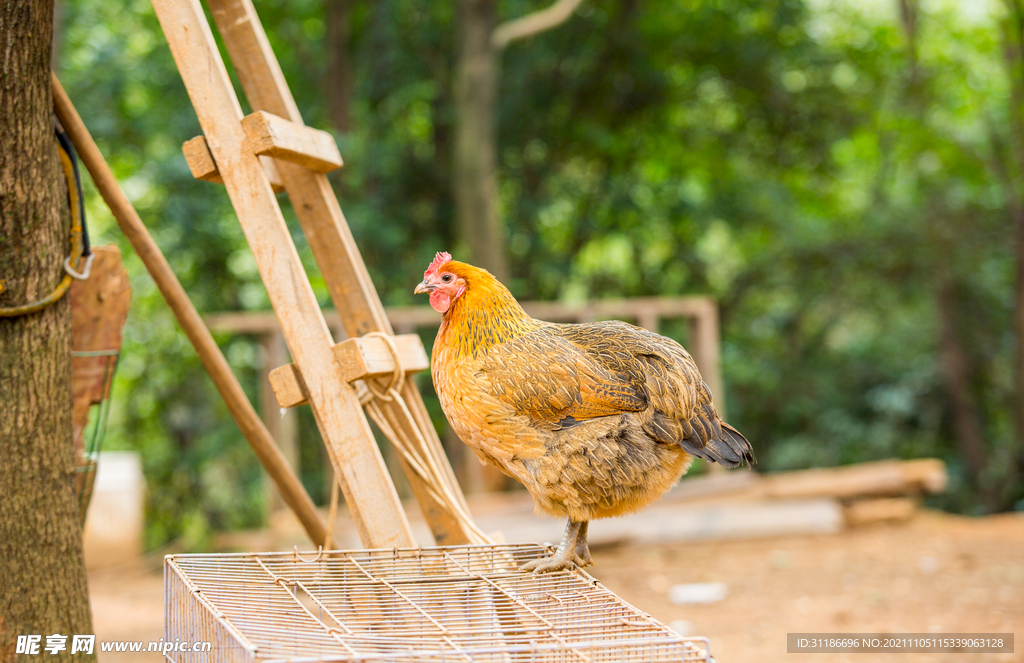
440 301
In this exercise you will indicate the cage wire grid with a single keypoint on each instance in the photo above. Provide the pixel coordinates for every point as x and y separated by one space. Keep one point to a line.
451 603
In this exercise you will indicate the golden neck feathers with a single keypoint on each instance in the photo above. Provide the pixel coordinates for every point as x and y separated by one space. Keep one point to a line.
485 315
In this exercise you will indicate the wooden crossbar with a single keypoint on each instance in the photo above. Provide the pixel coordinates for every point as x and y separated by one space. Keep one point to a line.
359 358
230 152
275 136
201 164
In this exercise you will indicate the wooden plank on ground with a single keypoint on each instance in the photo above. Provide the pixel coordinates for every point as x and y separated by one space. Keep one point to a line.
884 478
368 490
880 510
880 478
673 522
330 238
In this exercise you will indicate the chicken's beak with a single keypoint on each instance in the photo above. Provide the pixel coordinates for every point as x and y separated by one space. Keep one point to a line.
422 288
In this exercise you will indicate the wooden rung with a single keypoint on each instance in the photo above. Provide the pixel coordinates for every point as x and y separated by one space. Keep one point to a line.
358 358
203 167
370 357
274 136
287 385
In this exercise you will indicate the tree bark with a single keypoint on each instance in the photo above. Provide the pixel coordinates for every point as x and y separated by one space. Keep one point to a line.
475 160
1013 48
339 68
956 372
42 573
954 359
1017 214
476 186
481 41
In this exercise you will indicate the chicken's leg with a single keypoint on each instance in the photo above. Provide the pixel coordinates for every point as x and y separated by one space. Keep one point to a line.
572 550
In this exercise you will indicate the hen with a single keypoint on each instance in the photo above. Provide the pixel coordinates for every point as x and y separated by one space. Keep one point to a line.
596 420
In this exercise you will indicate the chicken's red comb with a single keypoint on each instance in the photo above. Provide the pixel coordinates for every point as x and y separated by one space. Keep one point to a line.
442 258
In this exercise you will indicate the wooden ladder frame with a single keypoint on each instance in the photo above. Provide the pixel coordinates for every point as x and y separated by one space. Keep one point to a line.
252 156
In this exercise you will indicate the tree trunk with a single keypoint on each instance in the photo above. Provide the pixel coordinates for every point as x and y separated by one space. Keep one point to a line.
1017 468
476 187
954 359
476 176
339 68
956 372
1013 50
42 573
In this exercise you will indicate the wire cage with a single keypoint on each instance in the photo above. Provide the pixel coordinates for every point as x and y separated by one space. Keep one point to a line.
455 603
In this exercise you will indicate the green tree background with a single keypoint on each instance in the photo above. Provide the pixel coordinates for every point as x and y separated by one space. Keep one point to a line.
840 175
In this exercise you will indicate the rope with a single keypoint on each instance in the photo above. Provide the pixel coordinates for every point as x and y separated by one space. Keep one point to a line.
80 250
414 449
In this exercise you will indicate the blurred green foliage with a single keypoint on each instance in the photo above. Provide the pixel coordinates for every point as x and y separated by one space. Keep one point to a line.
788 157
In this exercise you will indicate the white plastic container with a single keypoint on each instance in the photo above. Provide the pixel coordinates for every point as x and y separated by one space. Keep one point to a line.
114 521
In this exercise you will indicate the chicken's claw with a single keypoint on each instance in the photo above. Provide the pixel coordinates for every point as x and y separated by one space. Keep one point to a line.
572 551
556 563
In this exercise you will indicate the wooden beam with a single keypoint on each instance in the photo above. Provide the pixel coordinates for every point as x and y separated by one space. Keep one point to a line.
928 475
200 161
664 522
880 510
216 365
249 322
849 483
874 479
330 238
369 493
358 358
370 357
201 164
879 478
287 385
275 136
705 345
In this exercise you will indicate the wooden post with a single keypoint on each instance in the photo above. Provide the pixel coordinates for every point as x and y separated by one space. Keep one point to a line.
648 319
704 343
370 495
216 365
329 237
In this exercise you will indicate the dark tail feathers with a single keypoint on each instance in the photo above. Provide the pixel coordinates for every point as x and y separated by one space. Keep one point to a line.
730 451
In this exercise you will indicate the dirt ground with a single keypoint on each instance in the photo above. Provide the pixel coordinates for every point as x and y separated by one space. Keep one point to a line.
936 573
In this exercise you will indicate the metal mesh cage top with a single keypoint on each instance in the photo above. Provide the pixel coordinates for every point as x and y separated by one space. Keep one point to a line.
459 603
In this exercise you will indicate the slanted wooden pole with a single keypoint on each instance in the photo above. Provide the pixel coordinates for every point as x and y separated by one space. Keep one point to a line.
241 409
330 239
369 492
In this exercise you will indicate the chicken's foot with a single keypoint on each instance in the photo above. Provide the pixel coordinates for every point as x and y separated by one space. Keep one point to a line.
571 551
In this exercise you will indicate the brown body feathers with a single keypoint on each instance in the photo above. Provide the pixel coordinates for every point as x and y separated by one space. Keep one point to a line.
596 420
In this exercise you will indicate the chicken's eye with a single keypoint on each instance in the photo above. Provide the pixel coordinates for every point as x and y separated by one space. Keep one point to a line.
447 278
